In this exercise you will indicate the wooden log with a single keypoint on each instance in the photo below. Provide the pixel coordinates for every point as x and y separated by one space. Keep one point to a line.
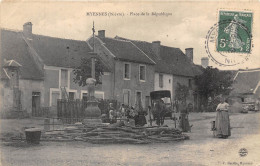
90 134
160 129
171 135
165 139
98 140
109 132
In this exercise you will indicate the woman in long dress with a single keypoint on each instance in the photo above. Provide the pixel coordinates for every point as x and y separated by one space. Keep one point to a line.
222 120
184 120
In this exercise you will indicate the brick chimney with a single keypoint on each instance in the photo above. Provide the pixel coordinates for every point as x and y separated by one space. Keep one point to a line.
156 48
27 30
102 33
204 62
189 53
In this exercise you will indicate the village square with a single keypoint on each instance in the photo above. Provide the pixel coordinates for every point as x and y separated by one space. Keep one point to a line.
116 100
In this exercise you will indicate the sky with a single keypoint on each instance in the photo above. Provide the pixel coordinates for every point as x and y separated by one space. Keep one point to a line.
185 27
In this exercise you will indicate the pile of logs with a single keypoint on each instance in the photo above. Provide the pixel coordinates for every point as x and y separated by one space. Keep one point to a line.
115 133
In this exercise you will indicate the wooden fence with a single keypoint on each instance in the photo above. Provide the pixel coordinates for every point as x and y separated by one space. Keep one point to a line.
71 111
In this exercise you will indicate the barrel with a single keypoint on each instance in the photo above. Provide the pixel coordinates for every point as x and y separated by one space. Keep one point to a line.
33 135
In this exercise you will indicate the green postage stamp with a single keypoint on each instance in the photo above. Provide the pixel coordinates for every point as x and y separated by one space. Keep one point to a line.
234 32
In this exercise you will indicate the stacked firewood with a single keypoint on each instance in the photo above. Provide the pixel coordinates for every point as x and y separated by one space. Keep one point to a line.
116 133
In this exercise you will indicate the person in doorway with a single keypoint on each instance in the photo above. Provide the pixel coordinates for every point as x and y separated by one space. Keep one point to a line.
222 119
141 113
122 111
184 120
112 113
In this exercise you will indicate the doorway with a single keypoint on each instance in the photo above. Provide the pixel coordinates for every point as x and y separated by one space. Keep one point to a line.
138 97
36 103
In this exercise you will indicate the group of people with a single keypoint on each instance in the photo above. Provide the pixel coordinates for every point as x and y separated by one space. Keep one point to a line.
137 113
125 112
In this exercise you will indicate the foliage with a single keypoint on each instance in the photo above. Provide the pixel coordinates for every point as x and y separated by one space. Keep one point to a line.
213 82
182 92
83 72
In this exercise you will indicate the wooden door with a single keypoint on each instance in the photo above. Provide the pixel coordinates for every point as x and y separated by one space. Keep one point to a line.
36 103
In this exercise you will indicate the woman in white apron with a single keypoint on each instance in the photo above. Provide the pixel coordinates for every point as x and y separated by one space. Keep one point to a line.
222 120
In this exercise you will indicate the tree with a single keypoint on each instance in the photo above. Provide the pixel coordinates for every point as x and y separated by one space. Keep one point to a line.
83 72
182 92
213 82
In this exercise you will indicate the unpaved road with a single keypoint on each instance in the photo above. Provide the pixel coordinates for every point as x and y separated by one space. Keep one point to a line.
201 149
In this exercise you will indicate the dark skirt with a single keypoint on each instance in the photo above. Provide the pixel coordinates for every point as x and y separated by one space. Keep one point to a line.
140 120
223 124
184 122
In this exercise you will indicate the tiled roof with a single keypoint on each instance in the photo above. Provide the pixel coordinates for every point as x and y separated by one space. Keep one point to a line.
13 47
246 81
172 60
52 51
60 52
126 50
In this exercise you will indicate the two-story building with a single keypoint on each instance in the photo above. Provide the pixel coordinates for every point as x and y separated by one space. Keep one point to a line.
172 67
44 67
132 71
45 70
37 70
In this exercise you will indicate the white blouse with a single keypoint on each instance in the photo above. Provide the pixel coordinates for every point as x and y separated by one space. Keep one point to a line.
222 106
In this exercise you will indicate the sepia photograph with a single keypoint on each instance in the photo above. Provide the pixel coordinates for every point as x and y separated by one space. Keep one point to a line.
142 83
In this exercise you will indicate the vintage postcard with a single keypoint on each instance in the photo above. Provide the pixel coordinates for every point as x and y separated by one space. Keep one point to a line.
138 83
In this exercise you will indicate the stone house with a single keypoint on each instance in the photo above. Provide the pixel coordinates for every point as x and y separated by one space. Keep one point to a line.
44 68
132 71
246 85
37 70
172 67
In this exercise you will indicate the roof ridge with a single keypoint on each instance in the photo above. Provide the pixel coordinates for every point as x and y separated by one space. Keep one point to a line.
117 39
59 38
145 42
13 30
249 70
17 31
132 39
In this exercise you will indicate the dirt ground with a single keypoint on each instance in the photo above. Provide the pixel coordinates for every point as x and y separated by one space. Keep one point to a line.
201 149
